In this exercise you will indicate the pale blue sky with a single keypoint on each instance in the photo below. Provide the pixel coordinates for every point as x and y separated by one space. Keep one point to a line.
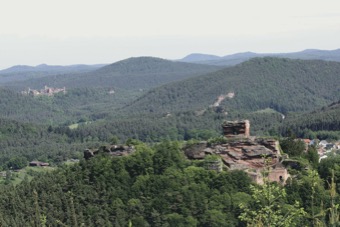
67 32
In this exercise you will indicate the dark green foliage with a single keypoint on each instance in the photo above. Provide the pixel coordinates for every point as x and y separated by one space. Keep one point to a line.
313 156
155 186
107 191
323 123
293 147
17 163
23 142
326 167
167 154
25 108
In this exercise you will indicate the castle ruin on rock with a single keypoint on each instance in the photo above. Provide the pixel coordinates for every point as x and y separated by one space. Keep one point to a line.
46 91
240 151
236 128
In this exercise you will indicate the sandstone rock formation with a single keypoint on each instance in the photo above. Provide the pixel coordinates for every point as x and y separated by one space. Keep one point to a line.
113 150
240 151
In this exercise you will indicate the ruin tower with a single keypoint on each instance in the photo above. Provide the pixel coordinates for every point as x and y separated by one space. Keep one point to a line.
236 128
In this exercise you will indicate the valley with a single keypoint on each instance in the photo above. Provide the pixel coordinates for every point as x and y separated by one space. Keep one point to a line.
156 153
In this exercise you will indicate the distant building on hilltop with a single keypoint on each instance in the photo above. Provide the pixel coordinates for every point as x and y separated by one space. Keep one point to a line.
48 91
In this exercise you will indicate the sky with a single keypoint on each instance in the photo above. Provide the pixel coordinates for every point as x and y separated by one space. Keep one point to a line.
65 32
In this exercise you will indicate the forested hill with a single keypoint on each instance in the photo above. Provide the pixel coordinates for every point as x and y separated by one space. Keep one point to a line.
28 142
16 106
281 84
324 122
132 73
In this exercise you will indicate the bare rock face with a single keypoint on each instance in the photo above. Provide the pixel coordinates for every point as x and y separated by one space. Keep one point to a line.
245 152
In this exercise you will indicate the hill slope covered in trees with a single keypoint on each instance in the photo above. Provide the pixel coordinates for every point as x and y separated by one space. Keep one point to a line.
324 123
281 84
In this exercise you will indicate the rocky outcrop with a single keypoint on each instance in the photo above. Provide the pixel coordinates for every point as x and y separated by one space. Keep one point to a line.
113 150
245 153
249 152
196 151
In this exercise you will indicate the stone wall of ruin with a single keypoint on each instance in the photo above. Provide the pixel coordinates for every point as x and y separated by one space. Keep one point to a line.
236 128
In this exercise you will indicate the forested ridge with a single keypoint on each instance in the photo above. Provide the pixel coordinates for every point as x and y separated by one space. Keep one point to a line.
281 84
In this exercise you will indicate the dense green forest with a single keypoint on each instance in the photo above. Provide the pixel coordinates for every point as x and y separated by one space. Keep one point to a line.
323 123
76 105
36 142
158 186
13 105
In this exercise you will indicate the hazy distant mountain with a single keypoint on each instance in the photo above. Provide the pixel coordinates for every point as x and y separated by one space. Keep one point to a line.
229 60
51 68
24 72
199 57
326 55
132 73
